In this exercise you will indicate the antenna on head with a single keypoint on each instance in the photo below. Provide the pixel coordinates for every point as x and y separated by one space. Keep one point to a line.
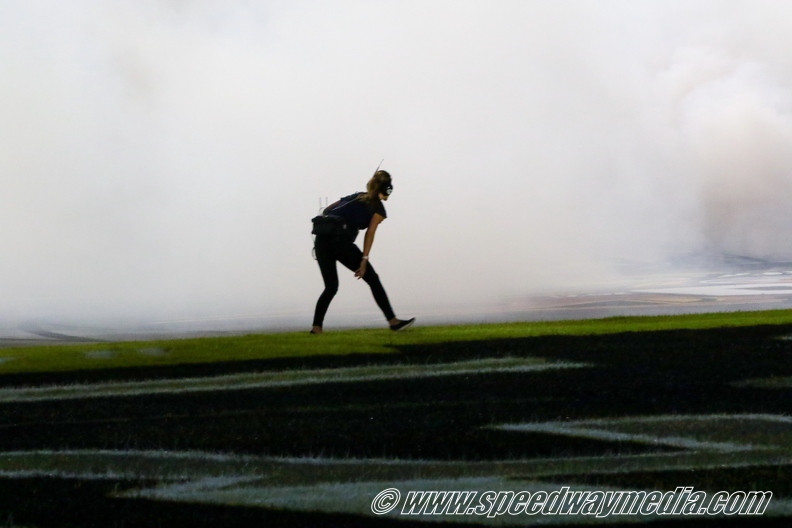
378 166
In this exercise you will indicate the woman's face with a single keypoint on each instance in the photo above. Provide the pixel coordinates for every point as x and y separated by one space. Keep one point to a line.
383 197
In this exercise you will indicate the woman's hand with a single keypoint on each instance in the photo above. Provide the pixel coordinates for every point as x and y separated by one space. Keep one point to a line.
362 269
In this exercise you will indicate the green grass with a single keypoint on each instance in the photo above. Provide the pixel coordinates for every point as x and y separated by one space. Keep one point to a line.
297 344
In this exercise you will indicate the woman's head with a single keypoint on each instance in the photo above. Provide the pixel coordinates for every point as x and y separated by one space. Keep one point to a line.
379 186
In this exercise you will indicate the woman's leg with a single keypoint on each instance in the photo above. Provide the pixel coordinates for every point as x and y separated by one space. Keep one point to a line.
350 256
372 279
327 265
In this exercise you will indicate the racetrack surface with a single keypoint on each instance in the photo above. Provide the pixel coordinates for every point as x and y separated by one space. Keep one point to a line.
692 284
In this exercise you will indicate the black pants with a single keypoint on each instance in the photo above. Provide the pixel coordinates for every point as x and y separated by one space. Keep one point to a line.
329 250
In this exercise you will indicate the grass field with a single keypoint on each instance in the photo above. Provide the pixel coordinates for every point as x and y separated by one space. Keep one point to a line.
300 430
52 358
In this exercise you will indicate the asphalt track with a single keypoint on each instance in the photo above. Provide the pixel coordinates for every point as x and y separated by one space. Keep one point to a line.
696 284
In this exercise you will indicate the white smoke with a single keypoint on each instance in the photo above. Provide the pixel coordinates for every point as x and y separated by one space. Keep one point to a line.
162 159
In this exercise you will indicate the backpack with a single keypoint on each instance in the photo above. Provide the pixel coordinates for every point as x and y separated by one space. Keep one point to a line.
328 224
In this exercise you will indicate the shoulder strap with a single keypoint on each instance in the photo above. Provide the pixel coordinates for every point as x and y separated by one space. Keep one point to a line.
346 200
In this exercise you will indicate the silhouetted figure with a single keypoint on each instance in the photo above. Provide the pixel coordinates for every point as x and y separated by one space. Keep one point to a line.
336 231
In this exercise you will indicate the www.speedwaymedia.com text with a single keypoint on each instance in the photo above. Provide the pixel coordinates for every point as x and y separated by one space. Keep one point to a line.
682 501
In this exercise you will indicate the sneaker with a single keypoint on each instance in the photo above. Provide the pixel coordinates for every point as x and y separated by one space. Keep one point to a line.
401 325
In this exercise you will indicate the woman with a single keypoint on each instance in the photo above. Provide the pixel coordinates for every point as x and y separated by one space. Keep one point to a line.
357 211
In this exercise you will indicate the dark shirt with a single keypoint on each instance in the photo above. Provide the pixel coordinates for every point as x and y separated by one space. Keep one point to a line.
357 212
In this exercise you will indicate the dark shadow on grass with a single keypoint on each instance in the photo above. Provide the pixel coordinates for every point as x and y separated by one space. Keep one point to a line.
443 418
67 503
650 373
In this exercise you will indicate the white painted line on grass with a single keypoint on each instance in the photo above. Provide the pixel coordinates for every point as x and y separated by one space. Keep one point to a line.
600 434
603 429
671 418
258 380
784 382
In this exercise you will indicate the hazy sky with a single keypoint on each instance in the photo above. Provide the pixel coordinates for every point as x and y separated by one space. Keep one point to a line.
162 159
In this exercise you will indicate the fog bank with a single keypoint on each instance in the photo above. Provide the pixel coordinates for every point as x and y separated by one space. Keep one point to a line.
162 159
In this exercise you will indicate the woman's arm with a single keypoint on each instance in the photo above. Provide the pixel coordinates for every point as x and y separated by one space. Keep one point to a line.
368 242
